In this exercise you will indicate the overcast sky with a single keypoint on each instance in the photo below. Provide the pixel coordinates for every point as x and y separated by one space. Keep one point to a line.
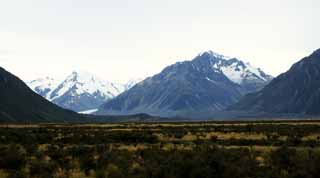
123 39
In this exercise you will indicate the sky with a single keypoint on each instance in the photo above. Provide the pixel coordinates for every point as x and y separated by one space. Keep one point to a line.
119 40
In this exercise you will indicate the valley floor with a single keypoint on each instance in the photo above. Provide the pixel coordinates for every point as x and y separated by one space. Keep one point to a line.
168 150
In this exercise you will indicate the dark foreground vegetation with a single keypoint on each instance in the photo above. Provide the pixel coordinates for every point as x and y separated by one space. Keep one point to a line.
164 150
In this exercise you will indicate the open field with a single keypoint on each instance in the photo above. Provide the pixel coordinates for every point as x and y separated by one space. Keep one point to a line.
195 149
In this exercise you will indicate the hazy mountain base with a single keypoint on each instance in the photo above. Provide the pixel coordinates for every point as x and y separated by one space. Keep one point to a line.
127 118
183 117
201 116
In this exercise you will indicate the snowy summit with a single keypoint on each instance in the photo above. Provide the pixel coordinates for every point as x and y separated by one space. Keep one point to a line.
80 91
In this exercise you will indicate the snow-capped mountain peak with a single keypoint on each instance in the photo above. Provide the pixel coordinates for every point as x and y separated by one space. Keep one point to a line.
234 69
79 91
84 82
81 76
208 83
214 55
238 72
43 86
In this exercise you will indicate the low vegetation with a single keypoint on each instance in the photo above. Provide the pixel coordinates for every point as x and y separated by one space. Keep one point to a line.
162 150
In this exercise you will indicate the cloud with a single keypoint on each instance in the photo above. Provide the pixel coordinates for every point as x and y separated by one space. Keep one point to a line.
118 41
6 52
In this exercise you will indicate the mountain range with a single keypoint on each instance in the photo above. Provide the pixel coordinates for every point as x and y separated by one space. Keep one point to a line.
80 91
210 82
19 103
296 91
208 85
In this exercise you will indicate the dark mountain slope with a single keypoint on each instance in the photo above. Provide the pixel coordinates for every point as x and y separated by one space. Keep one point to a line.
296 91
18 103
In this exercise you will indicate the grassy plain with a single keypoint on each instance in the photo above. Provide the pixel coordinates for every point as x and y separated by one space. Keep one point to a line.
191 149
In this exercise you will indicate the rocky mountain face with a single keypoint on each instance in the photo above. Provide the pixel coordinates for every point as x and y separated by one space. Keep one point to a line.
210 82
80 91
20 104
297 91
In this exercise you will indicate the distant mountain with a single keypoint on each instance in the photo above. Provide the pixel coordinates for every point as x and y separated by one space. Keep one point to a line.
295 92
83 91
210 82
43 86
80 91
20 104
